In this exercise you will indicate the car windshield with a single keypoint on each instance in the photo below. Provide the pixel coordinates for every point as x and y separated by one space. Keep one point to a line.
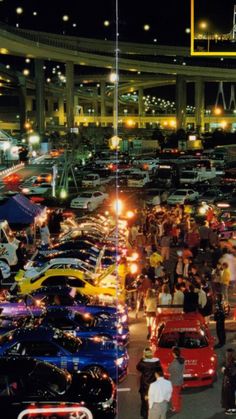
137 177
85 195
177 193
164 173
53 379
187 339
67 341
90 177
189 175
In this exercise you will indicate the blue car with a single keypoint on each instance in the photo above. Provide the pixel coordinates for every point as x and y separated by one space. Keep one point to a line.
46 296
98 356
84 325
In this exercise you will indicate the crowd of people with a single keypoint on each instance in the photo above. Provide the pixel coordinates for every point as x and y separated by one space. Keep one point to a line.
182 263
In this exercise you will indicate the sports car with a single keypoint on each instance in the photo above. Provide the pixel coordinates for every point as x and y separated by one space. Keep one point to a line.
196 344
99 356
81 325
71 277
63 297
22 383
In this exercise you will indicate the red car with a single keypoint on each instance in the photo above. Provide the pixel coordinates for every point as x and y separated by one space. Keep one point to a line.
196 343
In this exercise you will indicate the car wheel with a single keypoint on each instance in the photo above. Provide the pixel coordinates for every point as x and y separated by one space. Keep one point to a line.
96 371
89 207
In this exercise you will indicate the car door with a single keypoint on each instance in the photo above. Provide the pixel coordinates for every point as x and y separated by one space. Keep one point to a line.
45 351
98 198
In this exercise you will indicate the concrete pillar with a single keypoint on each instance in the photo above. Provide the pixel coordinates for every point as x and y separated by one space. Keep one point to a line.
61 113
140 108
29 104
199 104
50 106
40 96
22 102
181 102
70 95
103 104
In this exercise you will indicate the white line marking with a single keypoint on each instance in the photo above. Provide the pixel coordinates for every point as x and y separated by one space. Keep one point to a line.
124 389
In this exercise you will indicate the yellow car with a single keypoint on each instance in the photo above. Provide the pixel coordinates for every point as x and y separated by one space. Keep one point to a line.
71 277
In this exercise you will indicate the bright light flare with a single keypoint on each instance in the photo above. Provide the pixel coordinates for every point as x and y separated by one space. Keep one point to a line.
130 214
118 206
133 268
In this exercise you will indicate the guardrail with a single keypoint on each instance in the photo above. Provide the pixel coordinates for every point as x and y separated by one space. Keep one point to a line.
12 169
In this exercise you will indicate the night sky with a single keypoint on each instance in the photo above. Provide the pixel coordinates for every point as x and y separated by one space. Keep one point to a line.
167 20
218 13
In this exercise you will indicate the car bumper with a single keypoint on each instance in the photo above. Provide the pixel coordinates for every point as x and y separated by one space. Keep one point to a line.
199 381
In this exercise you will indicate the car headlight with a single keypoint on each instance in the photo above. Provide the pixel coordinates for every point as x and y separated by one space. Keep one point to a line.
119 361
211 371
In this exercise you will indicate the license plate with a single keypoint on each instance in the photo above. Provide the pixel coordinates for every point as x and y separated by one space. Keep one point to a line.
187 375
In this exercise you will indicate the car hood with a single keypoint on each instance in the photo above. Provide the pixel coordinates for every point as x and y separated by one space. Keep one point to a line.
196 360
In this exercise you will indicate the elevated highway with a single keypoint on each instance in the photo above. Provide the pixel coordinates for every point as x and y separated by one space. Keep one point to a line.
100 54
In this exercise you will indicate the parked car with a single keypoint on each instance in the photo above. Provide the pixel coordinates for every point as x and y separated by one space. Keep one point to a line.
71 277
89 200
66 351
194 339
22 382
181 196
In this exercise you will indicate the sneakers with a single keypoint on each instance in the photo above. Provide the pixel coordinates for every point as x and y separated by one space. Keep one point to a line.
230 412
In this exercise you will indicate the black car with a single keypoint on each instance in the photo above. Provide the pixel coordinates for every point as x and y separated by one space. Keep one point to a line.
24 381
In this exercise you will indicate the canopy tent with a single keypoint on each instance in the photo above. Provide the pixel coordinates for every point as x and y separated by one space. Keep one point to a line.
20 210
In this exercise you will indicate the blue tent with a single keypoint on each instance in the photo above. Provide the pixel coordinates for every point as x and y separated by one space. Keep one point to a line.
20 210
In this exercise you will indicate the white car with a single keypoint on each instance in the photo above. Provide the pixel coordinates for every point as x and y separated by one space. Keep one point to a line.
147 163
39 189
138 180
89 200
180 196
91 180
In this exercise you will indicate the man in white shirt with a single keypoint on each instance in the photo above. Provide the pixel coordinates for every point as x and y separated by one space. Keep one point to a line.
159 395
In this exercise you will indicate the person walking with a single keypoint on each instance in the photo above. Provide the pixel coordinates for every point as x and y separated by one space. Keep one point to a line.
159 394
176 371
147 366
219 317
229 383
225 280
150 303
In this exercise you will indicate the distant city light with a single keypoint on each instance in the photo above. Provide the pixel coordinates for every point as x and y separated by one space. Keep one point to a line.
27 60
106 23
203 25
35 13
146 27
187 30
65 18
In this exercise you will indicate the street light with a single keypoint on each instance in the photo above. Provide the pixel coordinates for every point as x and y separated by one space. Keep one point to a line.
204 26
